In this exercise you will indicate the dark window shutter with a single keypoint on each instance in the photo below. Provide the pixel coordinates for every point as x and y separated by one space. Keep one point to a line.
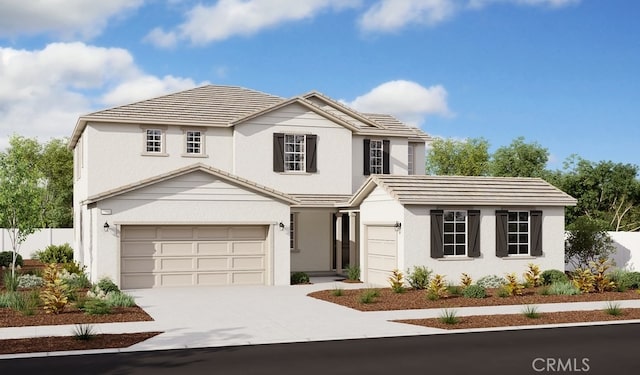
385 156
367 157
437 228
278 152
536 233
473 241
311 163
502 248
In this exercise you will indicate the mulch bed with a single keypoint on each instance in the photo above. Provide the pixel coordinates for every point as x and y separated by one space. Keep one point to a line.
482 321
417 299
71 315
63 343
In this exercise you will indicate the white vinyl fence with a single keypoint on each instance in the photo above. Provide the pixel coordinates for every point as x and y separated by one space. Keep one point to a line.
38 240
627 255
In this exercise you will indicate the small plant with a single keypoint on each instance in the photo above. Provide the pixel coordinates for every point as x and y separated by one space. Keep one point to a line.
613 308
74 268
83 332
75 281
465 281
297 278
353 273
532 277
6 259
27 281
553 276
5 299
601 281
565 288
583 279
369 296
437 288
419 278
449 316
337 292
119 299
474 291
513 287
94 306
54 293
531 311
11 281
55 254
25 303
631 280
107 285
625 279
397 281
503 292
454 290
544 291
491 281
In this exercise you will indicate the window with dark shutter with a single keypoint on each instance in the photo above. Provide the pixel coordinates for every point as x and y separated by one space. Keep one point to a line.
536 233
366 157
502 249
473 239
385 156
311 163
278 152
437 226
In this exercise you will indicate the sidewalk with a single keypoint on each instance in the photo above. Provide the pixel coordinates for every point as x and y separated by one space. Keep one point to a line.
230 316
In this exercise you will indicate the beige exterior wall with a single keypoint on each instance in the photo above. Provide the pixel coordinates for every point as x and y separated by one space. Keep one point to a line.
313 245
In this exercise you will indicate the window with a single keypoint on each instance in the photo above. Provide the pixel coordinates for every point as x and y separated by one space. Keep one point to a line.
294 152
153 141
518 232
411 167
455 233
376 156
194 142
292 231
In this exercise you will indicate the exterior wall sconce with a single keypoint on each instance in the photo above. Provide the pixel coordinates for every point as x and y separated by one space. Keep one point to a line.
106 226
281 225
398 226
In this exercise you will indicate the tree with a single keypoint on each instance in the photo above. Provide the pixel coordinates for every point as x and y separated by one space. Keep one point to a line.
56 164
463 158
20 191
520 159
587 241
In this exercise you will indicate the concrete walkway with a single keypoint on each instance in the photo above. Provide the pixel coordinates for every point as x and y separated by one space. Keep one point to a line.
229 316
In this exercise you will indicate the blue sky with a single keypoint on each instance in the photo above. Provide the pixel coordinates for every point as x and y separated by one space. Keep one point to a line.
563 73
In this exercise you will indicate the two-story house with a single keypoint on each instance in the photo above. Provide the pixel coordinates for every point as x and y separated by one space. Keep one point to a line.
222 185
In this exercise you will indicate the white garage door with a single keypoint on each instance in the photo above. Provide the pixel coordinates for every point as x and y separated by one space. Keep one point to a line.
381 254
164 256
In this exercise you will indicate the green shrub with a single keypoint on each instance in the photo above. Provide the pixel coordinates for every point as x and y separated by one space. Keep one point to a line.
25 303
337 292
491 281
95 306
83 332
55 254
503 292
454 290
10 281
449 316
5 299
27 281
474 291
562 288
74 268
119 299
632 280
419 278
531 311
613 308
75 281
299 278
107 285
553 276
369 296
625 279
6 259
353 273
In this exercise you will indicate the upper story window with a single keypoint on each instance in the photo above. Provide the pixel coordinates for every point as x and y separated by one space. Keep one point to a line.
153 141
295 152
411 164
376 156
455 233
194 143
518 235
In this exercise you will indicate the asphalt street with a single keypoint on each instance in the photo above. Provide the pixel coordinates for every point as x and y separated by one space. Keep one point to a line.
608 349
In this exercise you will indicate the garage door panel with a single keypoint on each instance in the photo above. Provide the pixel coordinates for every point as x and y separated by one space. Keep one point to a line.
257 233
139 233
377 277
247 247
382 263
138 265
212 233
173 233
176 264
247 278
247 263
173 279
212 264
138 281
138 249
175 248
212 248
378 247
382 233
213 279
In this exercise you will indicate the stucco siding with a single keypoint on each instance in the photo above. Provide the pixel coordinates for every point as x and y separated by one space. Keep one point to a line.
313 245
398 158
253 145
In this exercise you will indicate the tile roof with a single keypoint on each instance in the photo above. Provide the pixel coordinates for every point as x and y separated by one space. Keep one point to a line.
465 190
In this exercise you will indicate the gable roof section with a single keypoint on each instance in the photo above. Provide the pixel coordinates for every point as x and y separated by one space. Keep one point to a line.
465 190
225 176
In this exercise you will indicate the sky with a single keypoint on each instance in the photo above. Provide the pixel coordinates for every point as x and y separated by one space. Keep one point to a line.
562 73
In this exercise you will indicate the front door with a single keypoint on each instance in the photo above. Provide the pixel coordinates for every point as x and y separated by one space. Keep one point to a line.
344 242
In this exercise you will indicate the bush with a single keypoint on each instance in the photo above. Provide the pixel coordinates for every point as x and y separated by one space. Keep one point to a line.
369 296
29 281
396 280
74 268
437 288
474 291
5 299
95 306
513 287
625 279
631 280
119 299
553 276
563 288
613 308
75 281
107 285
449 316
10 281
55 292
353 273
419 277
503 292
337 292
25 303
298 278
587 241
55 254
465 281
491 281
454 290
531 311
6 259
532 276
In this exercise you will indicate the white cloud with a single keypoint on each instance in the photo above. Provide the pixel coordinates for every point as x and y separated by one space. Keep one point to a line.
389 15
42 92
408 101
67 18
228 18
547 3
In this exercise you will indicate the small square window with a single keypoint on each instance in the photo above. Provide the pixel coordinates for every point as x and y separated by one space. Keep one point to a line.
193 142
153 141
